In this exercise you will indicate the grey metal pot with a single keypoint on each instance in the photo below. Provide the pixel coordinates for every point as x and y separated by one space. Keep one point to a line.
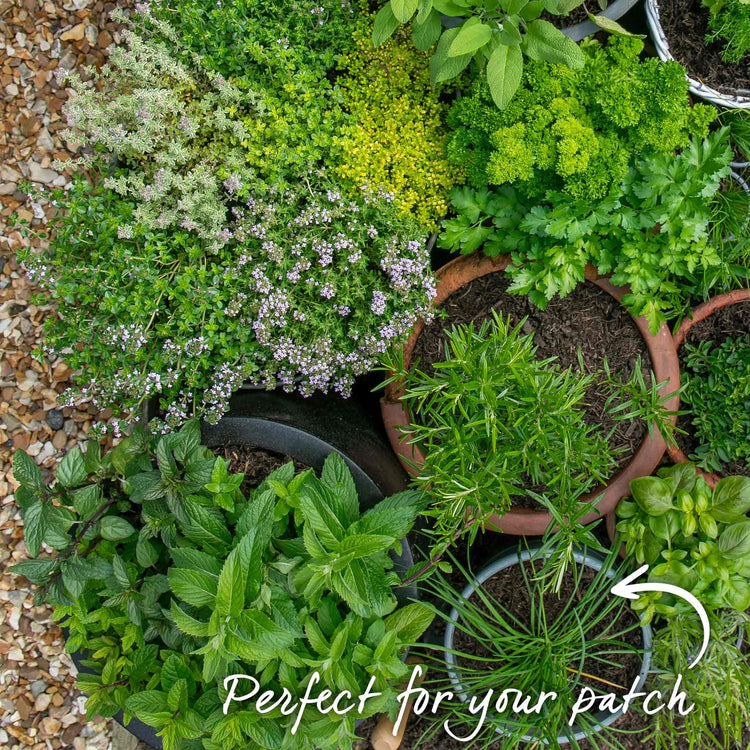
589 559
738 167
577 31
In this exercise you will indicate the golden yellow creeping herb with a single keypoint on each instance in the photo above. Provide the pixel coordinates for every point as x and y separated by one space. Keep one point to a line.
396 141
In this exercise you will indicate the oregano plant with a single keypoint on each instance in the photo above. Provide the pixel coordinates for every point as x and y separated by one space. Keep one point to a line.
169 579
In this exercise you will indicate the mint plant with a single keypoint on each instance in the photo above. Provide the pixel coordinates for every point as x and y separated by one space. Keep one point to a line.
717 390
690 536
495 34
170 579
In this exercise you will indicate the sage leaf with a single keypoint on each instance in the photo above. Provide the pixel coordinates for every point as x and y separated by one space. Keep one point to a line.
472 36
504 70
545 42
385 24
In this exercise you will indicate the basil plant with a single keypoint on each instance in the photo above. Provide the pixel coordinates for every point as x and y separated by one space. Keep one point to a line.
495 34
691 536
169 579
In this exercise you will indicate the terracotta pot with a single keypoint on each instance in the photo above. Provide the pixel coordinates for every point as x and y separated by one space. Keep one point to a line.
526 521
701 313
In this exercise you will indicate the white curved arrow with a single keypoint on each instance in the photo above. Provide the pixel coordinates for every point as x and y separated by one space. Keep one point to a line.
629 590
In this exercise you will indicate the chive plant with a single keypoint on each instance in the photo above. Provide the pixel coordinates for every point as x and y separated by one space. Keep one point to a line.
533 648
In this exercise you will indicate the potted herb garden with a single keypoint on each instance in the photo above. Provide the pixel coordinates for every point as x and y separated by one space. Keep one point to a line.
358 279
170 573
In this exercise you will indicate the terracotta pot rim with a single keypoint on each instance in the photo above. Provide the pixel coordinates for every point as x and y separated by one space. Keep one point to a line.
698 314
526 521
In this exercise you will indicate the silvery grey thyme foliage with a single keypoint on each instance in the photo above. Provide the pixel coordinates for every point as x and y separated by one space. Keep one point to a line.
307 292
178 129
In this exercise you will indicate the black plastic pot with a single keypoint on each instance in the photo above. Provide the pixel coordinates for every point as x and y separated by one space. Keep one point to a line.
577 31
307 429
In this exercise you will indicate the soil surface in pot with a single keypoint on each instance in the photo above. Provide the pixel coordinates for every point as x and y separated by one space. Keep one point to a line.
255 463
685 24
588 318
563 22
732 321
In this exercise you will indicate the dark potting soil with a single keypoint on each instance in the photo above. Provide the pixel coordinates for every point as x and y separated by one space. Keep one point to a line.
685 24
364 733
575 16
589 318
255 463
730 322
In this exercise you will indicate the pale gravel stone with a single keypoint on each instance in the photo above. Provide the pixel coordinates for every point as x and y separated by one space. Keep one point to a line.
33 661
37 687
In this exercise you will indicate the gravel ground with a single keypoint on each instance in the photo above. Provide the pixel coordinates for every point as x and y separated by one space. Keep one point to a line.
39 706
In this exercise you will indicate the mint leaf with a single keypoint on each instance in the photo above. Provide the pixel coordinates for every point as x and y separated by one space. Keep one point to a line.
114 528
26 471
193 586
72 469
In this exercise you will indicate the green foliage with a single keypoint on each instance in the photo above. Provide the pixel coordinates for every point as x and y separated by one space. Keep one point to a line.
260 103
176 164
738 122
270 45
576 131
719 688
652 232
230 125
172 579
691 537
396 141
496 36
530 650
717 389
161 317
493 421
729 21
285 52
